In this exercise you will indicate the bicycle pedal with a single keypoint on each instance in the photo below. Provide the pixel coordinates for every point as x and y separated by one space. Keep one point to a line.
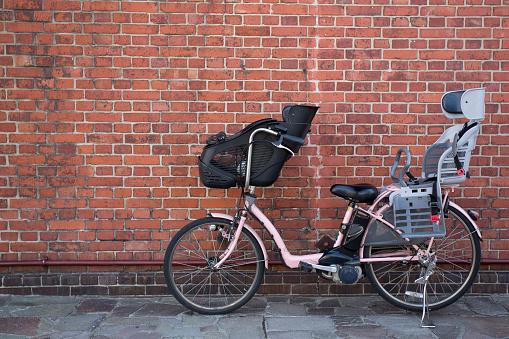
417 295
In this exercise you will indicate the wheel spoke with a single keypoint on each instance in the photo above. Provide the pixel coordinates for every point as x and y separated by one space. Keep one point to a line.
204 288
242 264
456 256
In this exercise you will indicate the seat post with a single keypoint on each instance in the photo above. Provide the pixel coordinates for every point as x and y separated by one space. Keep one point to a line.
348 216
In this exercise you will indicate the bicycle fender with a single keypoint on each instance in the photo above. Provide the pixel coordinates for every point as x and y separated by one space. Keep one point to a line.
250 230
465 214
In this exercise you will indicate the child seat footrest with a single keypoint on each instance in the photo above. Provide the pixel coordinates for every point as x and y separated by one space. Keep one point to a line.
418 212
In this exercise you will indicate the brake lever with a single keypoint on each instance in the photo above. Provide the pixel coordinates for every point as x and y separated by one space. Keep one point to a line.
278 144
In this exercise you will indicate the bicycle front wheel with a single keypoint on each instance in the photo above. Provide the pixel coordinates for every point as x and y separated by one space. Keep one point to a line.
458 256
189 267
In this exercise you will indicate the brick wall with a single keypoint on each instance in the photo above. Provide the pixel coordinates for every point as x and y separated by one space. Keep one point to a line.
140 281
106 104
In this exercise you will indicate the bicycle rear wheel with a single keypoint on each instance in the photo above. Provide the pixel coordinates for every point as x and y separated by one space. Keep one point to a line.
458 257
189 267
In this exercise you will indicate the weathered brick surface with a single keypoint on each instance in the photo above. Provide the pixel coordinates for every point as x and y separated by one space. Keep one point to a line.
142 282
104 106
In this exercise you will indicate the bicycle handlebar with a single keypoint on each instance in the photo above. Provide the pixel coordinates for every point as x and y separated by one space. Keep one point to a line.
276 143
401 174
281 134
293 138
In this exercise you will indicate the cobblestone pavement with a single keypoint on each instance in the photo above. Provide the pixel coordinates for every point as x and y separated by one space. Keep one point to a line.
263 317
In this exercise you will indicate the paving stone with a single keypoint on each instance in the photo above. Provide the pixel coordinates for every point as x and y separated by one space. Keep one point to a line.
250 311
477 327
322 334
182 332
242 327
363 302
502 300
448 331
306 323
458 307
30 300
383 307
290 335
96 305
19 325
5 311
352 311
365 332
146 323
51 311
277 308
80 322
211 335
125 327
69 335
349 321
4 299
282 298
191 326
160 310
255 306
200 321
256 302
402 326
125 311
122 301
144 335
163 300
334 302
302 300
271 317
320 310
21 302
197 336
485 306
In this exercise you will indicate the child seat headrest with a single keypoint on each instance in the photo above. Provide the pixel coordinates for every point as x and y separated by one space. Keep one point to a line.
464 104
298 119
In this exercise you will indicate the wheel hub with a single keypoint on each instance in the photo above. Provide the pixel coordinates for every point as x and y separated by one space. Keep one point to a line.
428 263
212 261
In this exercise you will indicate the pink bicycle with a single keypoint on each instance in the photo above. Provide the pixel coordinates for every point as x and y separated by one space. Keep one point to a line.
419 249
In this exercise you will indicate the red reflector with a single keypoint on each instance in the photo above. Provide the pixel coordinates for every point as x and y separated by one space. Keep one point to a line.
460 172
435 218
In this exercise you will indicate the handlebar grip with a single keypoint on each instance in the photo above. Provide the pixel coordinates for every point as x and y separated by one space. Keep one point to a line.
408 162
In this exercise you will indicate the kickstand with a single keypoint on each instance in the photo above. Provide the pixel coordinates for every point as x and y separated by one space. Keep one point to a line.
425 320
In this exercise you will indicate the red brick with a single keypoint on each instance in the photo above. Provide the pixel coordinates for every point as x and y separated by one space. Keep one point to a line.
105 109
108 6
139 6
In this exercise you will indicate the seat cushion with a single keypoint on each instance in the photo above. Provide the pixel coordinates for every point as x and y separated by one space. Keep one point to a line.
363 193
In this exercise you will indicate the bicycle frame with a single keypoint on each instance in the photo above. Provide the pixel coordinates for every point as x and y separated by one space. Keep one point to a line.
293 261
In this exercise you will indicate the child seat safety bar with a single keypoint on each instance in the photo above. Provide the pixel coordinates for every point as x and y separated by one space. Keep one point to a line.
399 178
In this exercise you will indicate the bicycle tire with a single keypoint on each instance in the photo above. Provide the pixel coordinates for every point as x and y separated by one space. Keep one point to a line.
172 285
476 246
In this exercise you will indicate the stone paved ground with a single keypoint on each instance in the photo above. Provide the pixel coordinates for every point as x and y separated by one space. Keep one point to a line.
263 317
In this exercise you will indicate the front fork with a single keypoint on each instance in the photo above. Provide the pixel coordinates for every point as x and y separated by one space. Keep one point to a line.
239 219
